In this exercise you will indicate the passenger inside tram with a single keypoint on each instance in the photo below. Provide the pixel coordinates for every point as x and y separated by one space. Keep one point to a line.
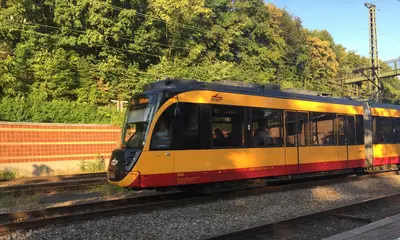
219 139
162 136
262 136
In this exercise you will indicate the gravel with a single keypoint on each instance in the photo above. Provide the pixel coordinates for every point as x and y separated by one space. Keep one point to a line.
64 199
332 225
207 219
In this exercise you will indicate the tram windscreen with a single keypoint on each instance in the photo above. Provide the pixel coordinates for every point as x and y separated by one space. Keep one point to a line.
137 122
140 114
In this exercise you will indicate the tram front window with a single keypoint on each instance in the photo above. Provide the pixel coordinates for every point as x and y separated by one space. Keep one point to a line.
136 126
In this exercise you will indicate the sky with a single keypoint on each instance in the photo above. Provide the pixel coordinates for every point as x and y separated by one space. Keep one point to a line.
347 22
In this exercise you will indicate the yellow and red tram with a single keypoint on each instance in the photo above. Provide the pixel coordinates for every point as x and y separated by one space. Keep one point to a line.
182 132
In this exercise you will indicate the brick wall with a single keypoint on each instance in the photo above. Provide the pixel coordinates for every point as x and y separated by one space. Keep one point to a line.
43 142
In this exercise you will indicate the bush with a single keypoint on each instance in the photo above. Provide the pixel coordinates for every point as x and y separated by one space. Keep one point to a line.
21 109
8 174
92 166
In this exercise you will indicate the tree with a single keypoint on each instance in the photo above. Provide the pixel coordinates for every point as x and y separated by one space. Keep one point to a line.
321 60
84 53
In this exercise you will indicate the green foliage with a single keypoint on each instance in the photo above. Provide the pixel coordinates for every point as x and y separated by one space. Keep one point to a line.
92 166
31 109
63 61
321 62
391 90
111 190
24 200
7 174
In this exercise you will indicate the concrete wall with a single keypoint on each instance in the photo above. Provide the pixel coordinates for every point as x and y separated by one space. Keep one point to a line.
43 148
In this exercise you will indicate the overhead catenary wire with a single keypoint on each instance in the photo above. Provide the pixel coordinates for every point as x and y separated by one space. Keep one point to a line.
186 26
130 39
116 48
200 30
146 15
109 36
328 83
122 38
120 49
325 83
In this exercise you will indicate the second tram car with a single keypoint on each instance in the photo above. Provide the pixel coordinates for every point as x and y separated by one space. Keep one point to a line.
183 132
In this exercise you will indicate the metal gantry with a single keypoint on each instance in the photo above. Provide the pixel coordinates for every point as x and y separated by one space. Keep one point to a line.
392 70
375 71
373 51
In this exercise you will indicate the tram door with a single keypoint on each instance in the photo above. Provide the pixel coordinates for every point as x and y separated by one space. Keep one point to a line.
345 125
296 138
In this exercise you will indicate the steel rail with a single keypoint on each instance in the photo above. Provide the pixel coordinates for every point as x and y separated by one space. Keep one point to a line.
54 178
51 187
37 218
66 182
274 226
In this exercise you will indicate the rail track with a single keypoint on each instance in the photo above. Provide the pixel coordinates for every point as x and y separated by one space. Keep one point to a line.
51 183
55 178
37 218
314 223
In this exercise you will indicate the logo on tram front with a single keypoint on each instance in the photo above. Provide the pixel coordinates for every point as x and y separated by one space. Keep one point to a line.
114 162
216 98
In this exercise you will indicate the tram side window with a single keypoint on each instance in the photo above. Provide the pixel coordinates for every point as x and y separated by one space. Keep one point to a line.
396 130
190 125
346 130
228 127
360 130
322 128
297 129
267 127
162 134
351 130
383 130
303 128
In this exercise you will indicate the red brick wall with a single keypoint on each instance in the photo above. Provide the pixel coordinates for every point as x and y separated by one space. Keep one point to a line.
34 142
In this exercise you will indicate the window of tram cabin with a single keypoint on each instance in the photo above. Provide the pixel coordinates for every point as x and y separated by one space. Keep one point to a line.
396 130
346 130
163 131
267 127
322 128
351 130
228 127
177 129
359 130
382 130
297 128
190 126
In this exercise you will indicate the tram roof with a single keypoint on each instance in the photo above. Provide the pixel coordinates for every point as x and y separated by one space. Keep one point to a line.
182 85
385 105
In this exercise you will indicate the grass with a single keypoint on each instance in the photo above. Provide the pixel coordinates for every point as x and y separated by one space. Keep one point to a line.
108 190
93 166
7 174
7 201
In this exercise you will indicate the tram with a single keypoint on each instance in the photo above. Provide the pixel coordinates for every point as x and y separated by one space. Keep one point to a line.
185 132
